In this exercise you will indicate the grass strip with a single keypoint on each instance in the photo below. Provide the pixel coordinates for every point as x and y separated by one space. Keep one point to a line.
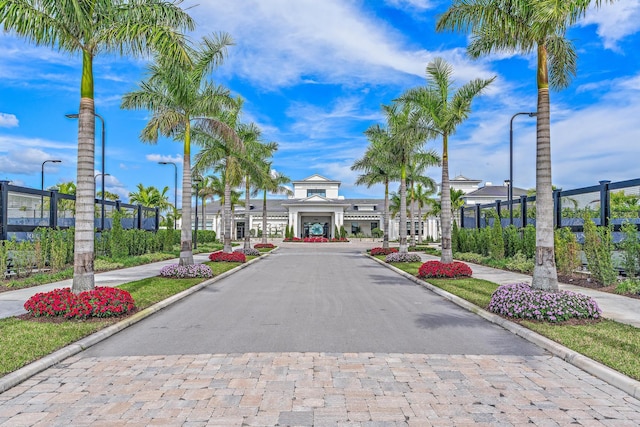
24 341
611 343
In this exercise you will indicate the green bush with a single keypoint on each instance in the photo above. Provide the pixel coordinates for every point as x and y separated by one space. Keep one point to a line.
496 242
512 241
519 262
630 247
628 286
529 241
343 232
377 233
567 251
598 248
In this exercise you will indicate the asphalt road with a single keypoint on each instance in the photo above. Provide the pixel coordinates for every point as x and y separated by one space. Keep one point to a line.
314 299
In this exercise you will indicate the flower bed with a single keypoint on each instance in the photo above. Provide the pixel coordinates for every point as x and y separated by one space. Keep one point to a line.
383 251
315 240
292 239
228 257
186 271
248 252
339 239
99 302
263 246
437 269
521 301
398 257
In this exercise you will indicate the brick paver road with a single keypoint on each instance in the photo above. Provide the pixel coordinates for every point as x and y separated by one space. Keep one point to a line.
312 336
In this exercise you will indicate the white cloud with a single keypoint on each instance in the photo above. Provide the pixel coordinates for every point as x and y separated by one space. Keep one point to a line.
420 5
8 120
28 161
282 43
164 158
614 21
9 142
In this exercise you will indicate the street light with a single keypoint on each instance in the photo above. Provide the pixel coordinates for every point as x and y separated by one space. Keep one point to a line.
532 114
75 116
102 197
175 194
42 185
195 235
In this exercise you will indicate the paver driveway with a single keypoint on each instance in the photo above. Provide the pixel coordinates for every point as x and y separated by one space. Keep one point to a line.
315 335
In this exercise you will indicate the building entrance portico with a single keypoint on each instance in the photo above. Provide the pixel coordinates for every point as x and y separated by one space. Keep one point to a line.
316 226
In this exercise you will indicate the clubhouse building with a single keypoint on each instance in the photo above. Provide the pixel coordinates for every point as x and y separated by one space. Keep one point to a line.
317 209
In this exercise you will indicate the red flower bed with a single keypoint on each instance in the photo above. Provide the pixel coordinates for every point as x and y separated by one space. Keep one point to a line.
228 257
315 239
339 239
439 270
383 251
263 245
293 239
99 302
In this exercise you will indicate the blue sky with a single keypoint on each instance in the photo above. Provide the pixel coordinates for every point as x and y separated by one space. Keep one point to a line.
314 74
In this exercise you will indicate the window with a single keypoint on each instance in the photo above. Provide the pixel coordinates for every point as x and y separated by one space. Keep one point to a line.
355 228
316 192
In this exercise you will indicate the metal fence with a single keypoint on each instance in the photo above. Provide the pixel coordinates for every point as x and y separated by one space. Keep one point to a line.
569 208
23 209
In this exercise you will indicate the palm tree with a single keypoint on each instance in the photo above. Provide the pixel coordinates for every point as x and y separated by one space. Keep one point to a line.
253 166
378 167
178 95
421 196
417 166
441 111
406 138
517 26
274 184
224 152
89 28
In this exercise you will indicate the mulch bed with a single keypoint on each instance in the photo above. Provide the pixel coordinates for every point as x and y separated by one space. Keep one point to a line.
585 282
59 319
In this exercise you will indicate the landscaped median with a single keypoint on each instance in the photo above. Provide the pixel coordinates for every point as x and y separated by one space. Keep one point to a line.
47 342
602 347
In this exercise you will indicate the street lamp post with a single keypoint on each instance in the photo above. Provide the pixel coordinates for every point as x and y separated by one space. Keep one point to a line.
42 185
75 116
102 197
175 193
195 235
531 114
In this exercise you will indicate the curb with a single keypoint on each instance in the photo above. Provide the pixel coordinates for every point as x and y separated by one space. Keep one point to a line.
16 377
597 369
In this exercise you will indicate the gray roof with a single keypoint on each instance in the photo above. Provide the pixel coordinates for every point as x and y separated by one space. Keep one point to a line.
497 191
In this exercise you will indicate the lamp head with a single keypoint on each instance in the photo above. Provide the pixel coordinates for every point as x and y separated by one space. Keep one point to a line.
72 116
533 114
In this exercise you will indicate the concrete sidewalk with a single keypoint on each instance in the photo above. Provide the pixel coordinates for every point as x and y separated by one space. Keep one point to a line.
12 302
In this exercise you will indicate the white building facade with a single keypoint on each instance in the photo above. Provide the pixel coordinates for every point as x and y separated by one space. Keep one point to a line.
315 209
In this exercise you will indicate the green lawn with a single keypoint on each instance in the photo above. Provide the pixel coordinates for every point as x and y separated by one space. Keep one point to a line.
23 341
613 344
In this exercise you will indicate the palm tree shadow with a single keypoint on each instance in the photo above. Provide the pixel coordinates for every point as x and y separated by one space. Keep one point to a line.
448 320
384 280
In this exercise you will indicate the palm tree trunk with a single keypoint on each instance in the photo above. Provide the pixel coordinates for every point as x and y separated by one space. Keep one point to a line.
227 216
186 251
445 205
83 255
264 217
413 223
419 224
403 209
247 215
385 238
545 275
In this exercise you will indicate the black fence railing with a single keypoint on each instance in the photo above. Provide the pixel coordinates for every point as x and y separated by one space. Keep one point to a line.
569 208
23 209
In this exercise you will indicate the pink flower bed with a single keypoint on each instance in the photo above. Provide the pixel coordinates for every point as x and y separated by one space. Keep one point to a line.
228 257
437 269
263 245
99 302
315 240
383 251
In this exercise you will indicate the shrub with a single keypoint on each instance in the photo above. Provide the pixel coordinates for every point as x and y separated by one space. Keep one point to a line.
520 263
628 286
567 251
249 251
529 241
512 241
598 247
186 271
496 245
399 257
437 269
99 302
521 301
471 257
228 257
383 251
630 247
377 233
263 246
